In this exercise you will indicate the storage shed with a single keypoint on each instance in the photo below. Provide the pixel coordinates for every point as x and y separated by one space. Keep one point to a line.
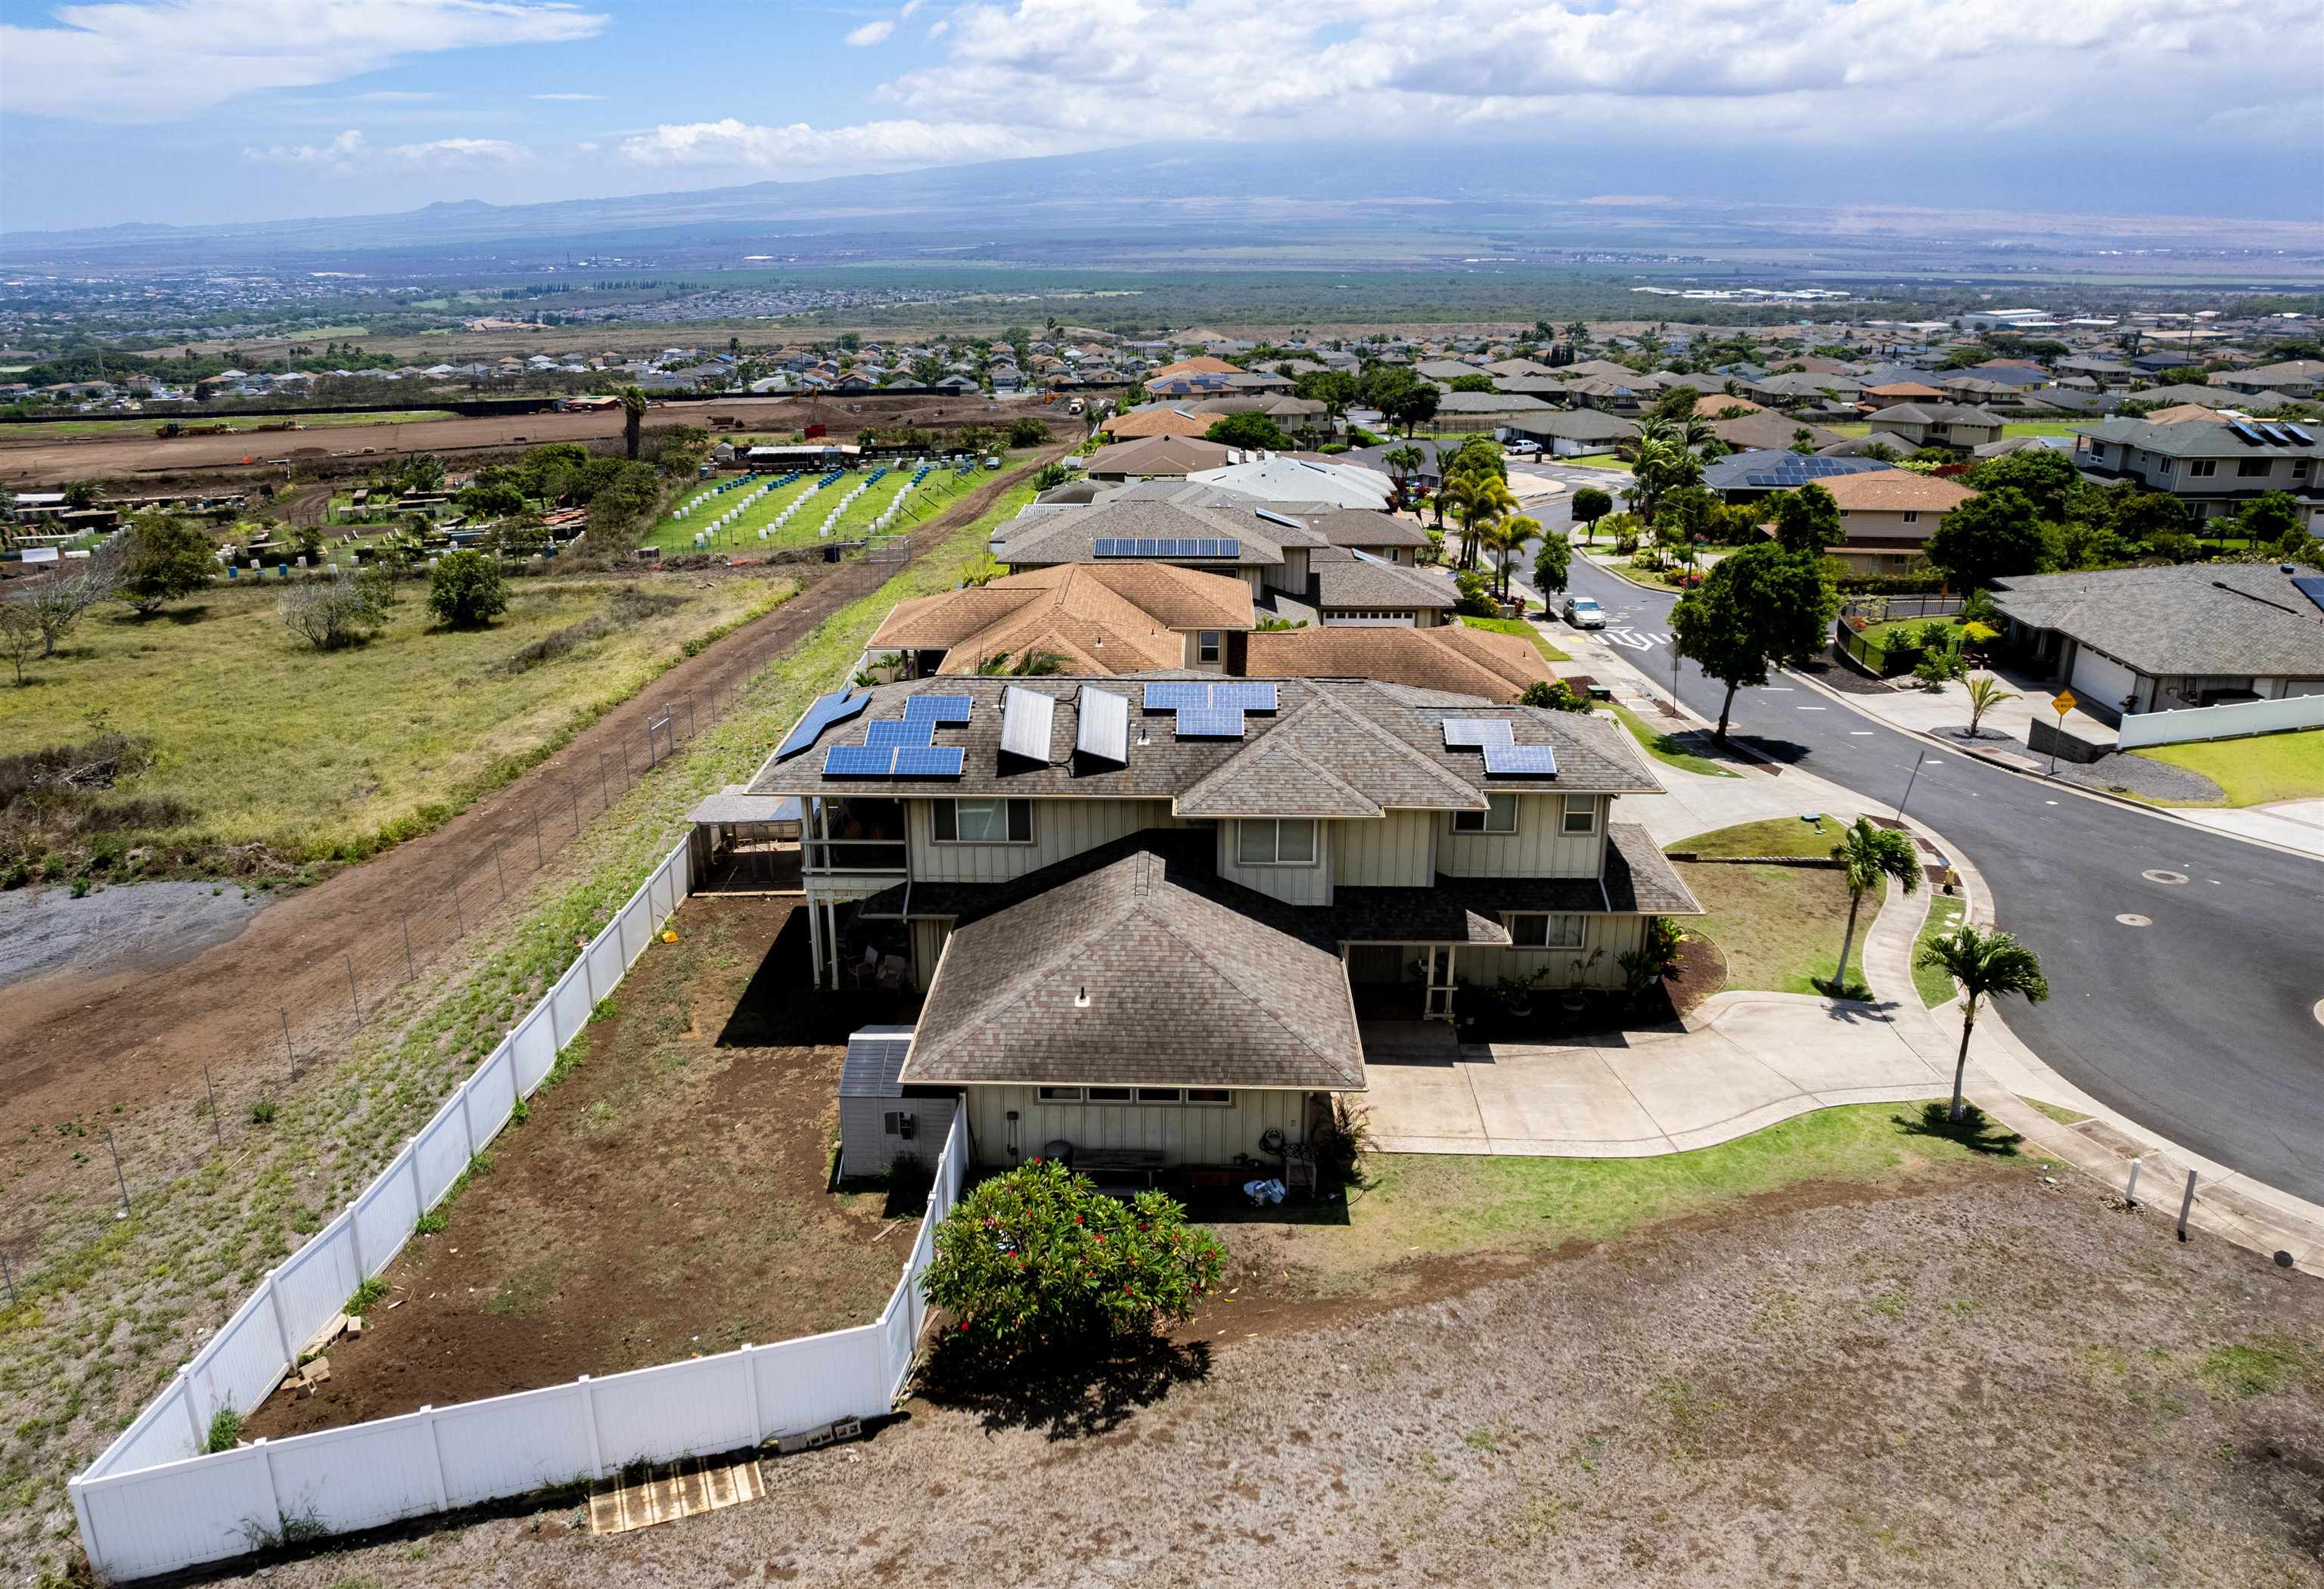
878 1125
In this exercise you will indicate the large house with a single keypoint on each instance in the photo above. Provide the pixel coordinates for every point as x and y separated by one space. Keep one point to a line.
1887 516
1154 913
1940 425
1101 617
2212 465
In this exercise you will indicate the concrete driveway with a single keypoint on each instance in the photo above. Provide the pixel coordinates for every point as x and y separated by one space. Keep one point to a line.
1748 1060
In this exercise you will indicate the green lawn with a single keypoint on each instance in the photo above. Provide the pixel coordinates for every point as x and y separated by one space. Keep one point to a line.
2254 771
1669 749
2015 428
20 430
1599 461
1881 636
267 740
1934 986
1518 626
1415 1203
1850 427
1779 927
1781 835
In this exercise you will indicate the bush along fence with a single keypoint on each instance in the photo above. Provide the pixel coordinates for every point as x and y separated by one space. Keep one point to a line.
157 1500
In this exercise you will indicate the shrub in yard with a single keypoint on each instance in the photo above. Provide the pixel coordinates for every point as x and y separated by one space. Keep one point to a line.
1040 1257
465 588
262 1113
328 614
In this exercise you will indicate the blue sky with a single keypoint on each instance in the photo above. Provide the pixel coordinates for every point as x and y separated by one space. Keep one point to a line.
194 110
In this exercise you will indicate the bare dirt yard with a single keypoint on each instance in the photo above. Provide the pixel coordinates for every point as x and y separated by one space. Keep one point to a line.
669 1196
1976 1378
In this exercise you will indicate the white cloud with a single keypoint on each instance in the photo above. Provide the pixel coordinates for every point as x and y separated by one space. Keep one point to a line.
909 7
340 155
810 152
350 154
869 33
396 96
938 30
168 60
576 97
459 153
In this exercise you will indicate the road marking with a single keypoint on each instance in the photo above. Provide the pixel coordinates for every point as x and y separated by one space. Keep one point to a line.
1777 689
2049 802
1867 733
1811 709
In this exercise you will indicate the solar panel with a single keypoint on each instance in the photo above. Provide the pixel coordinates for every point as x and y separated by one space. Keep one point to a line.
836 707
2304 439
1210 722
939 708
1025 719
1177 695
1103 546
1274 517
2272 433
2311 585
1470 733
1256 696
857 761
1230 548
1505 760
1104 728
2245 431
929 761
888 733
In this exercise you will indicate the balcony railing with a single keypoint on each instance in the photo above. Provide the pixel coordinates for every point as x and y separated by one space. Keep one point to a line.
855 855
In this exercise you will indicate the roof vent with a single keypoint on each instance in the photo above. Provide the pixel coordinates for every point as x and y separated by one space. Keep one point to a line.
1080 998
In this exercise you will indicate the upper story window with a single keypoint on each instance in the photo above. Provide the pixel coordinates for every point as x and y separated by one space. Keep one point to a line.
2248 468
1276 842
1581 814
1500 816
1207 646
2299 468
2202 467
983 821
1912 516
2098 452
2163 466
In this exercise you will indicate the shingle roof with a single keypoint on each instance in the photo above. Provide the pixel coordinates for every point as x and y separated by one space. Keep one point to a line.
2197 438
1337 578
1767 431
1489 403
1892 491
1581 425
1451 656
1933 414
2196 617
1170 453
1141 971
1070 535
1734 472
1103 618
1156 422
1361 527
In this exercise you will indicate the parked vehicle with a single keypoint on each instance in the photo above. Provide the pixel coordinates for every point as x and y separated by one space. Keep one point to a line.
1521 448
1583 612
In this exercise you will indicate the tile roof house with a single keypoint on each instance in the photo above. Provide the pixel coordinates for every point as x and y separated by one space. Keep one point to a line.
2134 640
1146 913
1741 477
2211 464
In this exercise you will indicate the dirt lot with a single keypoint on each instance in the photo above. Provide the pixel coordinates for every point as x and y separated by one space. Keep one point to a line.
669 1197
62 458
1990 1381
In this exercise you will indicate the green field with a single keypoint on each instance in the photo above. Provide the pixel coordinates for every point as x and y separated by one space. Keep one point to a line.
938 491
267 740
1518 626
246 425
2256 771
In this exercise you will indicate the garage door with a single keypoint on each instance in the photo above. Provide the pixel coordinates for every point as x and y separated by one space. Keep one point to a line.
2101 681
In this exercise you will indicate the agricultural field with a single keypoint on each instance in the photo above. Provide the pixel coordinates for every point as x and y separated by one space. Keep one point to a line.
246 424
256 738
674 534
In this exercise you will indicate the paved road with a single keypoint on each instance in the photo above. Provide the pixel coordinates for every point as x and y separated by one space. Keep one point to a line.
2201 1025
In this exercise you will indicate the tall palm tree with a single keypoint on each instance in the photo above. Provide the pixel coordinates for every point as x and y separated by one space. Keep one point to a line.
1986 965
633 418
1868 857
1507 537
1476 499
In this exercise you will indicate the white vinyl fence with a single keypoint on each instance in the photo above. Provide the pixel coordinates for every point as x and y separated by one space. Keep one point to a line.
152 1502
2228 721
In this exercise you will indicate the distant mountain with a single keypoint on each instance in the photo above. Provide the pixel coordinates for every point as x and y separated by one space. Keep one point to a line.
1326 206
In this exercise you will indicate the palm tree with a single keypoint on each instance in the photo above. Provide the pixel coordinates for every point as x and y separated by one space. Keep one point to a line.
633 418
1476 499
1507 537
1985 694
1402 463
1986 965
1869 856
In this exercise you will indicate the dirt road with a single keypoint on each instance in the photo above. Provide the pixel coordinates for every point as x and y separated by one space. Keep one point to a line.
73 1045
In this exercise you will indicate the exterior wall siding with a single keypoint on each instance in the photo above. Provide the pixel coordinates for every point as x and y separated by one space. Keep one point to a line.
1617 935
1396 852
1061 828
1537 850
1293 885
1184 1133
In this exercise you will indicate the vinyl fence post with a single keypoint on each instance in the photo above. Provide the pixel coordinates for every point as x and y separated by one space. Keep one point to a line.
589 1415
408 970
435 1454
266 1459
2186 1205
355 1244
193 1413
91 1544
282 1326
419 1192
291 1053
353 998
217 1132
539 860
759 1430
2130 1192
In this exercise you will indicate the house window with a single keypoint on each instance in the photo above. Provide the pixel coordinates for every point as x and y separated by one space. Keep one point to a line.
2098 452
2252 468
1581 814
1276 842
983 822
1061 1094
1500 816
1158 1095
1215 1097
1108 1095
1533 929
2299 468
2163 466
2203 468
1206 645
1910 516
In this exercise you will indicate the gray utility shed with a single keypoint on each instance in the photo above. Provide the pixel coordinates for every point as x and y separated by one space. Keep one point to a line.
878 1125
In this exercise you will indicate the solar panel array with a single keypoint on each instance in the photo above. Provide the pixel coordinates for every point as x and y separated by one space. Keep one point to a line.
939 708
836 707
1799 468
1210 722
900 761
1504 756
1185 545
1210 711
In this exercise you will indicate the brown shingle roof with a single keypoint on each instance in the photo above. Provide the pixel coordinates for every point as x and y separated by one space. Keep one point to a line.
1161 453
1200 364
1452 657
1889 491
1103 618
1146 422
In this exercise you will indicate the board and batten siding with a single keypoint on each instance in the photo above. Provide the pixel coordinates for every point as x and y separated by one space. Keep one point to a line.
1398 851
1293 885
1617 935
1061 828
1537 850
1184 1133
865 1148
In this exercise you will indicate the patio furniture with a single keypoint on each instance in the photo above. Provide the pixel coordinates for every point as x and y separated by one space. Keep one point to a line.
863 970
1121 1170
895 971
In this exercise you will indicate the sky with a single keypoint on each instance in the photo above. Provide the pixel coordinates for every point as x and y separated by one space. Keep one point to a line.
180 111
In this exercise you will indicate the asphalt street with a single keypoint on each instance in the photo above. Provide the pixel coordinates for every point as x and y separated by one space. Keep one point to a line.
2197 1017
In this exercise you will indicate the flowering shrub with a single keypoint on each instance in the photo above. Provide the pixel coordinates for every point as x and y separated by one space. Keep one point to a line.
1039 1256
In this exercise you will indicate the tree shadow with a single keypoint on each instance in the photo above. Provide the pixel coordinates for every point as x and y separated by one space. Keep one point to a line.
1071 1393
1975 1130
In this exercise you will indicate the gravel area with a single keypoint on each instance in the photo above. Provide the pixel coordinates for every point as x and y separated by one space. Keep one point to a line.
1996 1382
2122 774
131 927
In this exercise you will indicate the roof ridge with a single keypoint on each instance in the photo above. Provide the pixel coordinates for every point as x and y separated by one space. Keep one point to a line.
1414 755
1227 973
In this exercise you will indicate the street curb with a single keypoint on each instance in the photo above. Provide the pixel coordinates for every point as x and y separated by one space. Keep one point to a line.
2042 779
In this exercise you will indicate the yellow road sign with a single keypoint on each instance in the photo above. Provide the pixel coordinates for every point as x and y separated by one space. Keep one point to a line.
2063 703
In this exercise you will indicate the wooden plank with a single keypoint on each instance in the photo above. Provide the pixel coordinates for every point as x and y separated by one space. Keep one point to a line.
670 1492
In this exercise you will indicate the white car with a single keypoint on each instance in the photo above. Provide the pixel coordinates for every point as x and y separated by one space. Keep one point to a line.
1520 449
1582 613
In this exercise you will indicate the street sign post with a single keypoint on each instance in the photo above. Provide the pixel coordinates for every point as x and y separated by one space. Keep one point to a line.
2061 703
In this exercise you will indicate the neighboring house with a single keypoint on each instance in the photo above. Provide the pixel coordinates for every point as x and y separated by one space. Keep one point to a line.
1742 477
2131 640
1157 420
1569 433
1451 658
1150 456
2294 378
1767 431
1345 586
1888 515
1869 446
2210 465
2262 404
1146 913
1940 425
1108 617
1888 394
1494 408
1276 478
